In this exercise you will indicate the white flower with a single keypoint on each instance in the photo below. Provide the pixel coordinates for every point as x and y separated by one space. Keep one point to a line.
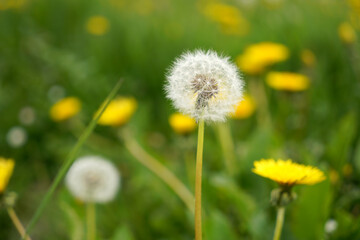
93 179
204 85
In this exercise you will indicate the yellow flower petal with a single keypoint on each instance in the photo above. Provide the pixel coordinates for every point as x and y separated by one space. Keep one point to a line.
347 33
97 25
308 57
286 172
6 169
258 56
245 108
118 112
65 109
287 81
182 124
12 4
229 17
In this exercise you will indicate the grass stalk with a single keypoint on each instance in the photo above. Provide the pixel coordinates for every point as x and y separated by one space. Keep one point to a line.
228 148
158 169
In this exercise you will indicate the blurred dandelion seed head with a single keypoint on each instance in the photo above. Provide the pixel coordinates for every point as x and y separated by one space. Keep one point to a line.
204 85
56 93
288 173
330 226
6 169
65 109
27 115
16 137
93 179
182 124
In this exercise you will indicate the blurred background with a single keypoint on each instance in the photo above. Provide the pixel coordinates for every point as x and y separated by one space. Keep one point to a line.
300 62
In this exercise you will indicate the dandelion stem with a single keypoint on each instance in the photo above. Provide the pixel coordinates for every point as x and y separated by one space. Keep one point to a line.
198 176
158 169
17 223
71 157
91 221
227 146
279 222
258 90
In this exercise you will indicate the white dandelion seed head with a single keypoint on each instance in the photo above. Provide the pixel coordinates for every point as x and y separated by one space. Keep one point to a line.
93 179
16 137
330 226
204 85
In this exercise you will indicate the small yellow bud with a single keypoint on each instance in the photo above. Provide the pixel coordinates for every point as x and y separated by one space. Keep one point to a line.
6 169
244 108
287 81
118 112
347 33
97 25
308 57
65 109
182 124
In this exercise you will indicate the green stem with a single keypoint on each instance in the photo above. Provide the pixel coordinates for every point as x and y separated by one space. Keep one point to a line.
190 168
158 169
279 222
257 89
228 148
91 221
71 157
198 176
17 223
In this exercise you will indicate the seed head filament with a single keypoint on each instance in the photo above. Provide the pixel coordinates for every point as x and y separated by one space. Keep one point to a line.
206 87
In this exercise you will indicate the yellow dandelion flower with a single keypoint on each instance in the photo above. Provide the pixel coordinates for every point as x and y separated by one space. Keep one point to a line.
97 25
229 17
308 57
65 109
244 108
354 19
347 33
118 112
12 4
333 176
258 56
6 169
347 170
287 81
182 124
288 173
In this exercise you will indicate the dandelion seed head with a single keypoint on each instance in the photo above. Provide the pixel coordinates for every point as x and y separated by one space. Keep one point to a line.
93 179
204 85
27 115
16 137
330 226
